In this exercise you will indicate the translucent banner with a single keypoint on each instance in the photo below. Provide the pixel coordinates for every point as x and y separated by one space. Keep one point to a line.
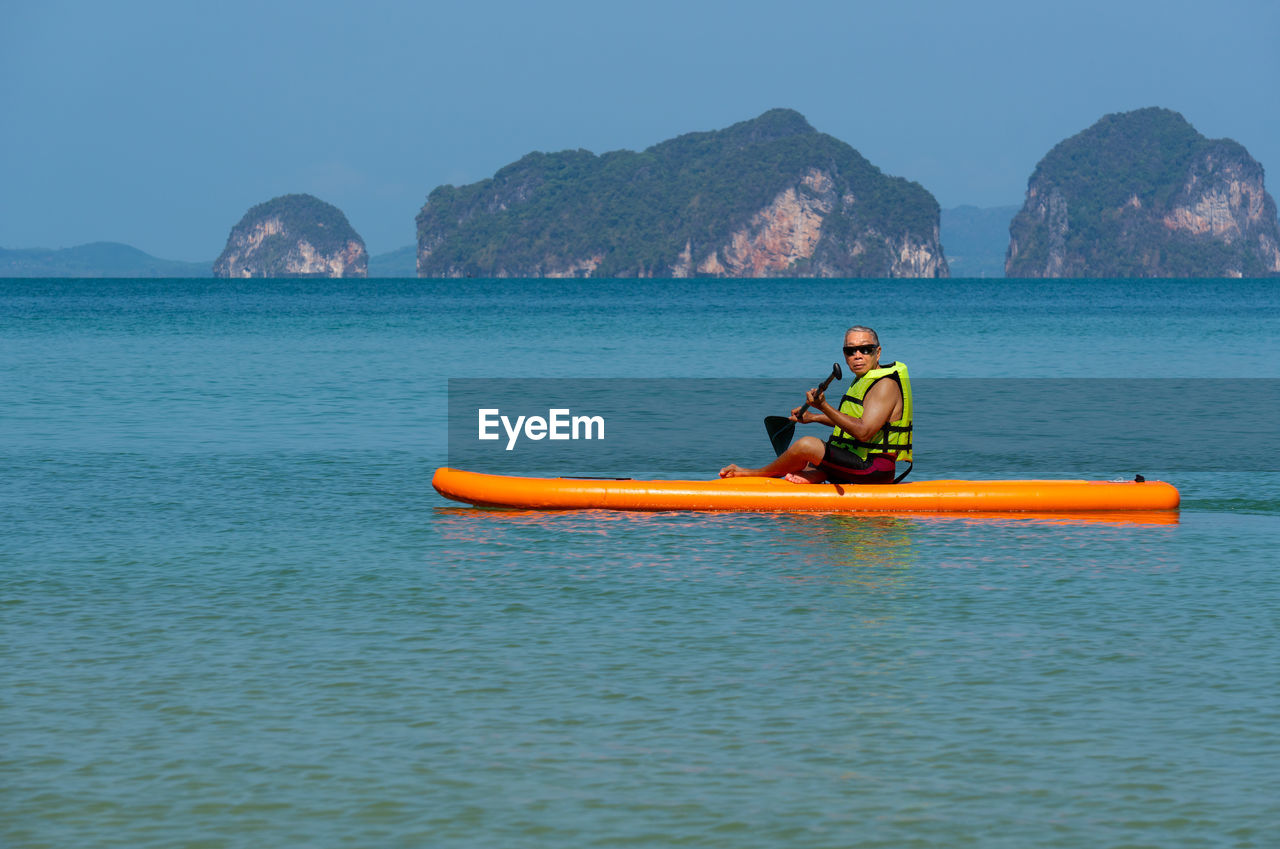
968 428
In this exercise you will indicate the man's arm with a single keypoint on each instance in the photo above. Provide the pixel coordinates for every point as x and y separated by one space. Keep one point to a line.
811 416
877 410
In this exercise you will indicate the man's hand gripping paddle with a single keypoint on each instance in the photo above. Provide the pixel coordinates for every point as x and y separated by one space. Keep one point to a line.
782 428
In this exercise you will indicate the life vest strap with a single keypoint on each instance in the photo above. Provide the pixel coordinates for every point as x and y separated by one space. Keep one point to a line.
858 443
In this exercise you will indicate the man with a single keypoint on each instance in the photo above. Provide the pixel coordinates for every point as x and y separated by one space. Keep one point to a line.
871 429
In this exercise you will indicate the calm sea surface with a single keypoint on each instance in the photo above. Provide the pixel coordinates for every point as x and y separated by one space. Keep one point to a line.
233 612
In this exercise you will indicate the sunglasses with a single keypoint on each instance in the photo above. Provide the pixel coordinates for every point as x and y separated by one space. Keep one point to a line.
850 350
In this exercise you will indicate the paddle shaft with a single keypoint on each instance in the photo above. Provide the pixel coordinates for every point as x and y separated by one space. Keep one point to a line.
822 387
781 429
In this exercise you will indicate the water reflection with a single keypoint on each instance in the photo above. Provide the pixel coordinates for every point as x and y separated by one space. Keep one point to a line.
880 540
860 552
862 540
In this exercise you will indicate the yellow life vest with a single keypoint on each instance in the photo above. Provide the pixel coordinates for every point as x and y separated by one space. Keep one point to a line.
894 439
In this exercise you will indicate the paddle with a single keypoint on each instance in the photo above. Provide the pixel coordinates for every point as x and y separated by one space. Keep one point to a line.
782 428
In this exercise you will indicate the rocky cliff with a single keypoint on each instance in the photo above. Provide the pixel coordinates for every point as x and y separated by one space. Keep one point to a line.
1142 194
293 236
767 197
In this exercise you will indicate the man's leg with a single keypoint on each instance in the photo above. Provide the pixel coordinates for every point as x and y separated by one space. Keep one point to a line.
805 450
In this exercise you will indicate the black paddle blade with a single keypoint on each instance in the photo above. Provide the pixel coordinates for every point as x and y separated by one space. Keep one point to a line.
780 430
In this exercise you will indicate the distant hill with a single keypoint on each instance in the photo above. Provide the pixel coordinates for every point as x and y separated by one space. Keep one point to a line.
1142 194
766 197
976 239
112 259
99 259
293 236
399 263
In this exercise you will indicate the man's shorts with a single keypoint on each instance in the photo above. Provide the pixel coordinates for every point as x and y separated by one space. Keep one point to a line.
843 466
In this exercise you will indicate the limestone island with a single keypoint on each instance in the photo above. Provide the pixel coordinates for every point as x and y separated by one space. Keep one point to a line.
293 236
1142 194
769 197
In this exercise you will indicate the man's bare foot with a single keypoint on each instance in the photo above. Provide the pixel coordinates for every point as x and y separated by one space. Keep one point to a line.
733 470
807 476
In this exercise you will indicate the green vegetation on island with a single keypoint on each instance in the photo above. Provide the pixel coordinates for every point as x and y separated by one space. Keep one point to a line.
1138 194
268 241
634 214
1142 194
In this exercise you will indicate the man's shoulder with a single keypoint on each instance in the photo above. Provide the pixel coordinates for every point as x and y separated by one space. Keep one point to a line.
886 383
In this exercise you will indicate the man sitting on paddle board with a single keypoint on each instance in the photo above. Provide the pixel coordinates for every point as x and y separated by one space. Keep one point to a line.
871 430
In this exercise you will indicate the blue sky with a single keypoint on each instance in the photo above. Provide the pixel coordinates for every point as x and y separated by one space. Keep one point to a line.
159 123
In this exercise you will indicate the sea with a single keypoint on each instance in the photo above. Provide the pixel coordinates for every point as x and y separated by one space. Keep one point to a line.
235 613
